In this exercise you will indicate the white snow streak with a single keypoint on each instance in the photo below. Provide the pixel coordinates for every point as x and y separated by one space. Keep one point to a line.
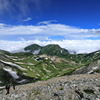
12 73
12 64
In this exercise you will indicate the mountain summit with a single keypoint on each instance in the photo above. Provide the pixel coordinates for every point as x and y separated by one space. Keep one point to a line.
51 49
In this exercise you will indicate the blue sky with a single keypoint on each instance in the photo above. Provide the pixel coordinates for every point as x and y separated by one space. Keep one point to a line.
23 22
80 13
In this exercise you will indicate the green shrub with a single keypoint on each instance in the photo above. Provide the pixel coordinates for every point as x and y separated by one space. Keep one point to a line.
36 92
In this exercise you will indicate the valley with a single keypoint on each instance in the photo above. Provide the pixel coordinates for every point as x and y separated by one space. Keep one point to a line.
38 63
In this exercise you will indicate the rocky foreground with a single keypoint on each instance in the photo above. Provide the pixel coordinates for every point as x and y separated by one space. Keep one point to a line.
74 87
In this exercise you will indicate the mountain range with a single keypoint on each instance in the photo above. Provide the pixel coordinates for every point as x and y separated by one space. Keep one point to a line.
44 62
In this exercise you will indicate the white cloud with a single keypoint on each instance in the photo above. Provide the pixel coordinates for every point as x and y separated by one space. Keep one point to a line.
46 22
49 30
27 19
79 46
42 34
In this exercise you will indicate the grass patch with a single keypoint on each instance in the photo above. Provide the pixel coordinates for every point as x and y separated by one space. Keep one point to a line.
61 88
89 91
36 92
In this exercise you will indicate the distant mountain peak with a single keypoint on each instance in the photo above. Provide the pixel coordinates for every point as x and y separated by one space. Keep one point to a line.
51 49
32 48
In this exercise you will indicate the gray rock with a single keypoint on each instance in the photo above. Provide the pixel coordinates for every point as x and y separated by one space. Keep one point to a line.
75 87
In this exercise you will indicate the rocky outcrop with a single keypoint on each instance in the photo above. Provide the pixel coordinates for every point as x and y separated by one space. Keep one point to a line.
75 87
94 67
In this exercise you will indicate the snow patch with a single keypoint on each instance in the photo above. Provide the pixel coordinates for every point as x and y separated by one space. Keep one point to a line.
46 58
98 52
20 63
12 64
14 59
46 70
2 87
30 64
24 80
90 72
95 68
54 66
12 73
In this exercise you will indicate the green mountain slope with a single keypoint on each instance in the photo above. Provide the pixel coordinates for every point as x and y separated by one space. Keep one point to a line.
34 48
11 73
43 63
54 50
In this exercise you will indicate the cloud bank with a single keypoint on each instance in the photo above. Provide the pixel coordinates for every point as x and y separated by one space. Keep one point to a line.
78 46
49 30
73 39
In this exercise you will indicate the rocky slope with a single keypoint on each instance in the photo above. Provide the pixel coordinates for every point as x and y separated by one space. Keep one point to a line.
93 67
75 87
